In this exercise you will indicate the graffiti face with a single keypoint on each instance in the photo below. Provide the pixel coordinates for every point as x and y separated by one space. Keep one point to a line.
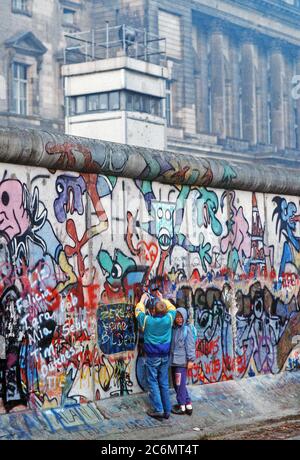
288 214
70 191
14 218
115 267
208 205
258 306
164 225
286 226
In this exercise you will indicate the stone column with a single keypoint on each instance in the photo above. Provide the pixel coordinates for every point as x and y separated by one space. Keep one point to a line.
235 84
218 80
277 100
248 75
201 82
290 140
298 98
262 95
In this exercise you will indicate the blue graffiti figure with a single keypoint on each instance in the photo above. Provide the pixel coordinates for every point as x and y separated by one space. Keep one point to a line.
286 221
70 191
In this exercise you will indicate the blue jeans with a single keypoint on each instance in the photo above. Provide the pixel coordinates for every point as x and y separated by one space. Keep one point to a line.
158 381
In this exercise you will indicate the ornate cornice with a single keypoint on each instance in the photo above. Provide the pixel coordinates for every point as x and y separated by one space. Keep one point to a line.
276 8
230 19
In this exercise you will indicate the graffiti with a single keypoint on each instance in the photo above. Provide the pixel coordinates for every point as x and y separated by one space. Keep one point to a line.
263 323
229 173
122 276
102 225
70 190
77 250
67 155
286 226
237 242
116 328
113 375
214 347
166 219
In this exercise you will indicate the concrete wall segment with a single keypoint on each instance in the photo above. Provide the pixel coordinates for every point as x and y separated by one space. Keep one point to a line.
58 151
77 244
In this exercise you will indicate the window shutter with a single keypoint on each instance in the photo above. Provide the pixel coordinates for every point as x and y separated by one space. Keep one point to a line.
169 28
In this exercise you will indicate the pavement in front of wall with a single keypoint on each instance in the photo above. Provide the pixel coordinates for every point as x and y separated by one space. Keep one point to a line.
218 408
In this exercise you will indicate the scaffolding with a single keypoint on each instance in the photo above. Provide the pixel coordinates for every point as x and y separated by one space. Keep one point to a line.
110 42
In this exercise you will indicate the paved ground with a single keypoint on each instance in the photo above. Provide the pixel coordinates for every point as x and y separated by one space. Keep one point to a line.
221 409
283 429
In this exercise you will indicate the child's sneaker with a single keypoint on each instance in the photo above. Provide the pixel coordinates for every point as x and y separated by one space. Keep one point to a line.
178 410
189 409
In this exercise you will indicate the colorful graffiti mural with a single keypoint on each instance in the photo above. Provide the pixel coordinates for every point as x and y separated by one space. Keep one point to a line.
77 250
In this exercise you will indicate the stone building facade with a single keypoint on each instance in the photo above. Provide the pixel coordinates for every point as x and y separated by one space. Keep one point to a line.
231 66
31 53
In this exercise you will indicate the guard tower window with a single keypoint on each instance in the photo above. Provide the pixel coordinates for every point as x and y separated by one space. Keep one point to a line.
93 103
107 102
103 101
81 104
114 100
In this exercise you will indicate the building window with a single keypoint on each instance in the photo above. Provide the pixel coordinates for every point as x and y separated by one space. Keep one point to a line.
81 104
155 106
137 106
93 103
169 27
129 102
20 5
143 103
114 101
69 16
104 102
20 83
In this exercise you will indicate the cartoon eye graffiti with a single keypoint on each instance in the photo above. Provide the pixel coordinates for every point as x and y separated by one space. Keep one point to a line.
5 198
159 213
168 214
116 271
59 188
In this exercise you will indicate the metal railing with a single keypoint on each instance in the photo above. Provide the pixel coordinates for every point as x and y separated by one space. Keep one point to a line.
114 41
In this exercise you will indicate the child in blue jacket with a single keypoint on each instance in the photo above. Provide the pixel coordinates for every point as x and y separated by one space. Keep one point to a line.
157 341
182 359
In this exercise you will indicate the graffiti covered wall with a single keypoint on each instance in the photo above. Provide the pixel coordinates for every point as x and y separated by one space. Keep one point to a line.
76 250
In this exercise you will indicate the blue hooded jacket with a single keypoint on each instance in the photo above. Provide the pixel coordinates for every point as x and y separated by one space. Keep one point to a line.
182 345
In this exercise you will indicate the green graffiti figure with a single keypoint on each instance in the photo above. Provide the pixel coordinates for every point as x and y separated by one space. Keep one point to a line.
116 269
166 219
